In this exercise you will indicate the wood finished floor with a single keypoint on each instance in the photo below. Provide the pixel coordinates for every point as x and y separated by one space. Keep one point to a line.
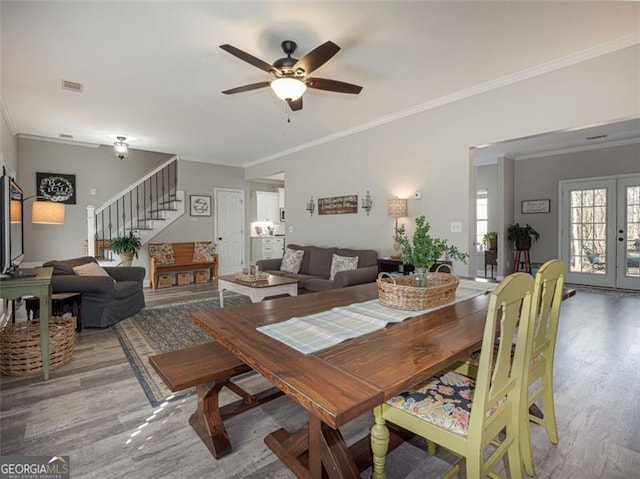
94 410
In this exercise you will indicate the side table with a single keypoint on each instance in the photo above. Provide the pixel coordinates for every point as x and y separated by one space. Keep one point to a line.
58 302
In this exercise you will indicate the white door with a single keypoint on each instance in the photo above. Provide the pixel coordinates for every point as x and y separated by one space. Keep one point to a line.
600 225
229 229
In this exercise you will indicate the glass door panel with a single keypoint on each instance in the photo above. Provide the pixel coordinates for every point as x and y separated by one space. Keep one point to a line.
628 234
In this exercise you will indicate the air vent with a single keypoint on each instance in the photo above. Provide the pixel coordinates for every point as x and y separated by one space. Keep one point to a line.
66 136
595 137
71 86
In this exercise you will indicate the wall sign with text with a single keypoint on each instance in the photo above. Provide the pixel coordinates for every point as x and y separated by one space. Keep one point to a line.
536 206
338 205
57 187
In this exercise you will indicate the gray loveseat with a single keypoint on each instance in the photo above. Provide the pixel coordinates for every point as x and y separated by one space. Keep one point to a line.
105 299
316 268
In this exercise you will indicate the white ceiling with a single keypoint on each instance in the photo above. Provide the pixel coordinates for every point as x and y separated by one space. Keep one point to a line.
154 70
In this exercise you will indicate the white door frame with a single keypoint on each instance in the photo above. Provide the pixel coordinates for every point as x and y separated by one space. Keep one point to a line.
215 222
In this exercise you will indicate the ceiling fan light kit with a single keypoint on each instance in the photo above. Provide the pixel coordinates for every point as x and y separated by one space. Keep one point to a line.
291 80
288 89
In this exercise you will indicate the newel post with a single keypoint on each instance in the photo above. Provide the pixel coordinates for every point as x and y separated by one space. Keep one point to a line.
91 230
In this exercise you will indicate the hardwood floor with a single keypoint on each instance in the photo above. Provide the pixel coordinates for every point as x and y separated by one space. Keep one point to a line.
94 410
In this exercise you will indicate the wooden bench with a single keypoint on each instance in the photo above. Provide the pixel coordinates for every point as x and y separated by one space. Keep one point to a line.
183 254
209 367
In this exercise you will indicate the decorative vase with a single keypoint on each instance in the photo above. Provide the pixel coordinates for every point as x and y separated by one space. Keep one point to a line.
420 277
396 251
126 259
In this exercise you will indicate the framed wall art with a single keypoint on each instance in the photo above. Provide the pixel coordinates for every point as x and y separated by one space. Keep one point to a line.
536 206
338 205
200 205
56 187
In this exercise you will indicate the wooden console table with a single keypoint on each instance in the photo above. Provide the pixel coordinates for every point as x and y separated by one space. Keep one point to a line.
40 286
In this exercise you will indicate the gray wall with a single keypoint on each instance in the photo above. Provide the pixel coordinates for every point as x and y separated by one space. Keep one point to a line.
539 179
8 147
429 152
94 168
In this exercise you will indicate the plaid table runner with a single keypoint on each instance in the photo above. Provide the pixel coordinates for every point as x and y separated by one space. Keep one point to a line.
314 332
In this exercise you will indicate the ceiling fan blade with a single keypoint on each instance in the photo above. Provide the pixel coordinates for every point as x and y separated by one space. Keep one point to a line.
317 57
332 85
295 105
256 62
253 86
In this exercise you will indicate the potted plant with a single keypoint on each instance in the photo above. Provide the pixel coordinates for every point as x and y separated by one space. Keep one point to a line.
127 247
490 240
423 250
522 236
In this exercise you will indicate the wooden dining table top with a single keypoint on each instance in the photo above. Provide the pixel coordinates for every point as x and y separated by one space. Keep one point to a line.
339 383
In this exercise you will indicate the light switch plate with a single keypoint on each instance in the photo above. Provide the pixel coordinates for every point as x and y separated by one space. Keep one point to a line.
456 226
290 229
417 195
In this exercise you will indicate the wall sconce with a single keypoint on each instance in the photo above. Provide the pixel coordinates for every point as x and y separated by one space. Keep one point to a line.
397 207
311 206
120 148
367 203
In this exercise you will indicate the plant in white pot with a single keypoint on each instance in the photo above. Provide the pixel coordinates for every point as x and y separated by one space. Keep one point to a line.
126 247
423 250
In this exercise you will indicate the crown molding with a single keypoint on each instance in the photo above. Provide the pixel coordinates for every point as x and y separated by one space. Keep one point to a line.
547 67
60 140
576 149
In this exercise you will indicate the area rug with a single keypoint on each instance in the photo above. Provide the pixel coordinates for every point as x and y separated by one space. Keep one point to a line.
160 329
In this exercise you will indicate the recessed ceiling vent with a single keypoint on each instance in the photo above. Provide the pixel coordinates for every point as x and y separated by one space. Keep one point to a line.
595 137
72 86
66 136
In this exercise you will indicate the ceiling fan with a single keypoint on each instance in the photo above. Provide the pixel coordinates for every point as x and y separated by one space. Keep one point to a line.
291 79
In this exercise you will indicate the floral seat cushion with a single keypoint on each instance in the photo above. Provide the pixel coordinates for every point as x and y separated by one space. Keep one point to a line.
204 252
163 253
444 400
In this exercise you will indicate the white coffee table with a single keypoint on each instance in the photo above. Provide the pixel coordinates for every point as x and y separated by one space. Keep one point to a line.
274 286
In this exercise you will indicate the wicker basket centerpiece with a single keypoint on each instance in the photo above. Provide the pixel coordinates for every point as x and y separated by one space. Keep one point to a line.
400 292
257 277
20 352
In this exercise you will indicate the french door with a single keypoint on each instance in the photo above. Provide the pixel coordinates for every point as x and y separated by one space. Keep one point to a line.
600 231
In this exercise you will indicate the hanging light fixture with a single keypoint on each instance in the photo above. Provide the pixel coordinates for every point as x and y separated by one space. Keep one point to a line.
288 88
120 148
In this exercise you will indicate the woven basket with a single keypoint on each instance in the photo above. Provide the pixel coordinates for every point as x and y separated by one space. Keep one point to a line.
398 291
20 352
259 277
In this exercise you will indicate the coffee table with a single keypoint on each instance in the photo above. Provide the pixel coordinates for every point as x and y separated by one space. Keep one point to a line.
257 291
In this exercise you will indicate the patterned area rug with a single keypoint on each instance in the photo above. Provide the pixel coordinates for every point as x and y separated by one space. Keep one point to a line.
161 329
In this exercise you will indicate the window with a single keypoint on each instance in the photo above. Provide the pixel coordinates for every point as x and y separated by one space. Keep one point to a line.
482 217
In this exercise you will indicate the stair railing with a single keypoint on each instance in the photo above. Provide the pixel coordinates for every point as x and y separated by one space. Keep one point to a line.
133 209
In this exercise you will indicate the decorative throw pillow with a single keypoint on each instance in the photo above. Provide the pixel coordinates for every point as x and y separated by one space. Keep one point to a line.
342 263
90 269
204 252
292 260
162 253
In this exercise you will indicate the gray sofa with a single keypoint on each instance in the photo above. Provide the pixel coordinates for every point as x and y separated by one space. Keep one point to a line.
105 299
316 268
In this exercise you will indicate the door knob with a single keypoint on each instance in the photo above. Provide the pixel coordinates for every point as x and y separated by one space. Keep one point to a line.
620 239
219 239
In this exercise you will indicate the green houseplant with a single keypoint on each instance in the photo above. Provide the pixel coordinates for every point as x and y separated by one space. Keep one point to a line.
522 236
127 247
490 240
423 250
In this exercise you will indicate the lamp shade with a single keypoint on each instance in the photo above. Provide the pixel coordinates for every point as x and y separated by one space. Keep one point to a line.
397 207
47 213
288 88
16 211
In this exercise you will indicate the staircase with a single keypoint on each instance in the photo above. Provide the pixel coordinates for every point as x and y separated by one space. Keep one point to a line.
145 208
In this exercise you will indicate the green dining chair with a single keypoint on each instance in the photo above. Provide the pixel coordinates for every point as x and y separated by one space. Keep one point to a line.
465 415
547 300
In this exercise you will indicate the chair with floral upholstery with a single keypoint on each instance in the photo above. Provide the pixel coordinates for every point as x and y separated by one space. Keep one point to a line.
466 415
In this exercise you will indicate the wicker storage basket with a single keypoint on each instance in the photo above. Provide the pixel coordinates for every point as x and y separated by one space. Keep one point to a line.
20 352
398 291
184 279
202 277
259 277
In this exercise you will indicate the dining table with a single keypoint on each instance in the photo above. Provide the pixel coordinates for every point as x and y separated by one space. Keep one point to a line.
341 382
